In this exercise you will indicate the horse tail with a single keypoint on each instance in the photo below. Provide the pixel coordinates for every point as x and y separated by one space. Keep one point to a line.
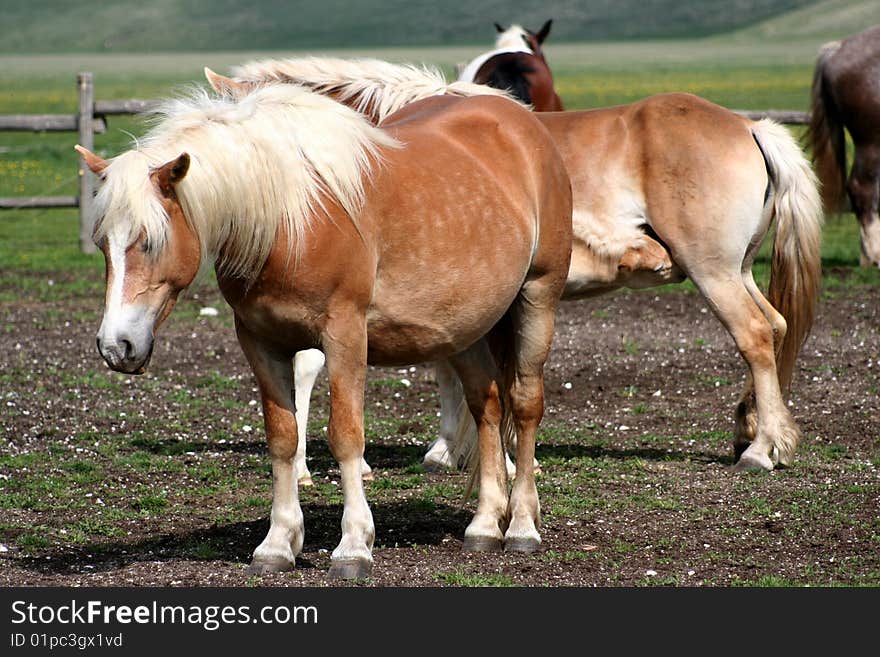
825 135
501 339
796 269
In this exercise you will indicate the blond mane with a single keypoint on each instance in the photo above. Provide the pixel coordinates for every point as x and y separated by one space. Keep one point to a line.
372 87
258 165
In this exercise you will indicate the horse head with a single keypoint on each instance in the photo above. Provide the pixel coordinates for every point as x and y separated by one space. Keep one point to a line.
514 34
147 266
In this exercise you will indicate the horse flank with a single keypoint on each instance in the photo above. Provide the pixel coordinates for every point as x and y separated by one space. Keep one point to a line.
373 87
304 143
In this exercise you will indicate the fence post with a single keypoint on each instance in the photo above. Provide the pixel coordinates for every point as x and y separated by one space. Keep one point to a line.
86 87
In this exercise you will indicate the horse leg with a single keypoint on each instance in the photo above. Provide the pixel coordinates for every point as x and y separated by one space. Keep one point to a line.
457 429
746 415
346 353
274 376
648 255
306 365
776 432
533 326
458 433
863 188
482 389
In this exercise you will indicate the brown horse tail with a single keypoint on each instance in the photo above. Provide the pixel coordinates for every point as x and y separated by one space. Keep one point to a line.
825 136
501 339
796 270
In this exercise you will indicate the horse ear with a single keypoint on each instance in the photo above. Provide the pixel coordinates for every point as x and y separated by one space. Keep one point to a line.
95 163
544 31
499 28
224 85
172 172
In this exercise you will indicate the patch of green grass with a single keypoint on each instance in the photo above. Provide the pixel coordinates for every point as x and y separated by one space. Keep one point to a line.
33 541
460 578
766 581
396 483
630 346
150 503
628 391
203 551
568 556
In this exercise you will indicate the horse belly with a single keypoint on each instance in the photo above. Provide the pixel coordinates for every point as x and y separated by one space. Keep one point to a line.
440 317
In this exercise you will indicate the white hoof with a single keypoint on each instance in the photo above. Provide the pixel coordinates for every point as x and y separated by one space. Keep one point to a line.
439 457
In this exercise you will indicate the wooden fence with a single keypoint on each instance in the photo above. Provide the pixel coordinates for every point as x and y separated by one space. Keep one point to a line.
91 118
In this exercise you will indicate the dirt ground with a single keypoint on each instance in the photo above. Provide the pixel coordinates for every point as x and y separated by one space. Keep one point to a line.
108 480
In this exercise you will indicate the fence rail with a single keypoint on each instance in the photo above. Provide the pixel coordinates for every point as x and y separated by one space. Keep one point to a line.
91 120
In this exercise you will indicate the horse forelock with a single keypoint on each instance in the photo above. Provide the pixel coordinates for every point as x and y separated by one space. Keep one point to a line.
258 166
127 204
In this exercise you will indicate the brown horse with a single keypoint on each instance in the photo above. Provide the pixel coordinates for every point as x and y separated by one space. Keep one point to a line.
320 226
846 94
668 187
517 64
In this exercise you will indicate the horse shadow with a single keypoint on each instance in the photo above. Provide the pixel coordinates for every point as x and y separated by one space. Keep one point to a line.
406 522
574 450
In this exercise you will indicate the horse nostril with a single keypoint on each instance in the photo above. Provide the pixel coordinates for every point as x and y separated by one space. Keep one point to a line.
98 343
129 349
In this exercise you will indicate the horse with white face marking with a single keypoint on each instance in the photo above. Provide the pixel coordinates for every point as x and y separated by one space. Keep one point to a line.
634 227
517 65
319 226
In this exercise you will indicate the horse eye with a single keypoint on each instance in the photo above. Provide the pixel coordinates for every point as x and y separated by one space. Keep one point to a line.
145 247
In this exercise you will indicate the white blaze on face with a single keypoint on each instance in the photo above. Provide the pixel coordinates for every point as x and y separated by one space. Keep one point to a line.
125 334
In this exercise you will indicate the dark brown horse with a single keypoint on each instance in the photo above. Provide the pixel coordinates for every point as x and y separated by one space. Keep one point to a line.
846 94
517 64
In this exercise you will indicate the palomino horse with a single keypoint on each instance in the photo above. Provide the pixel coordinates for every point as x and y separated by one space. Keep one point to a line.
846 94
702 180
517 64
320 227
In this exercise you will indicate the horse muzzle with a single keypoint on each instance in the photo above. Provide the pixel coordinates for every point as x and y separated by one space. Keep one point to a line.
126 355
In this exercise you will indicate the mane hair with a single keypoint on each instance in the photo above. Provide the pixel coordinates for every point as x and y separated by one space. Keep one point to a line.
258 165
373 87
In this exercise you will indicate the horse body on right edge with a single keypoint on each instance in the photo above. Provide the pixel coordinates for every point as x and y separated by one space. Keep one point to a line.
846 94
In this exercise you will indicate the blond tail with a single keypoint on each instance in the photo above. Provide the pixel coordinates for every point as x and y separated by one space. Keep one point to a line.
796 270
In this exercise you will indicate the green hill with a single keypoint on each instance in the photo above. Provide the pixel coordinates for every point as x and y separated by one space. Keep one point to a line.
192 25
826 20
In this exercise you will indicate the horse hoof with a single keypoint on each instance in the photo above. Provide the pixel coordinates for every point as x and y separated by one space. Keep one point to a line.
482 544
368 476
436 466
265 567
522 544
350 569
306 481
753 463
